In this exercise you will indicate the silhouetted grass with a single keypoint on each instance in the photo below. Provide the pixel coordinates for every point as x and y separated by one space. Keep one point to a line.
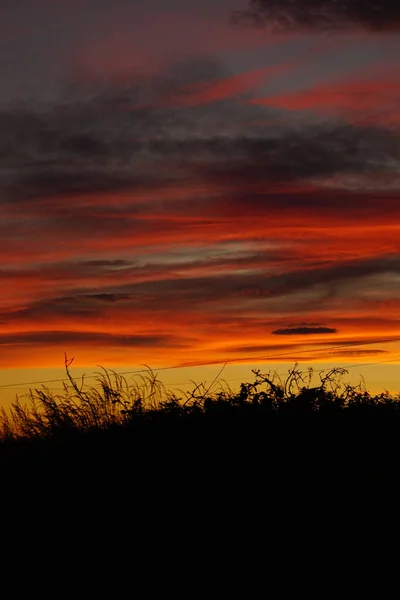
305 425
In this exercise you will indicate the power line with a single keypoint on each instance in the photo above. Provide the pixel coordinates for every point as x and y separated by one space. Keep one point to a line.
182 383
217 362
256 358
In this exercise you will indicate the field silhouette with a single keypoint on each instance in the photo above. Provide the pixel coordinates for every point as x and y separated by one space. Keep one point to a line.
271 430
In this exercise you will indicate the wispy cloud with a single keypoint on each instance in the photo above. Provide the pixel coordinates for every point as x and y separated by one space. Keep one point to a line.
320 15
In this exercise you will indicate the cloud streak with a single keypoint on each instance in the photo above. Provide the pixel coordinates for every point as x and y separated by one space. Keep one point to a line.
304 331
320 15
47 154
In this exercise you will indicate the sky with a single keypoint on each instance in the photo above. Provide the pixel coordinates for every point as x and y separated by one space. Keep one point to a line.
189 182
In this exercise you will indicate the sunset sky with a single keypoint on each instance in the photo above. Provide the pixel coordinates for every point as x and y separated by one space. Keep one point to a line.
191 182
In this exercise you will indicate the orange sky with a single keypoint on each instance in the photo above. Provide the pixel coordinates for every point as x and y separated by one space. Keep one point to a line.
170 201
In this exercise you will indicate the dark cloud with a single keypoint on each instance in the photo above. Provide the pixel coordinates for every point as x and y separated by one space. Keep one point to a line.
209 292
335 355
292 347
360 342
115 138
354 353
111 137
311 153
304 331
105 263
303 279
110 297
320 15
167 294
79 306
59 271
262 348
43 338
148 268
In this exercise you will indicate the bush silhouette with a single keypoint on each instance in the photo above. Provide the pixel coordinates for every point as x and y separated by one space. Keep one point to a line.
269 427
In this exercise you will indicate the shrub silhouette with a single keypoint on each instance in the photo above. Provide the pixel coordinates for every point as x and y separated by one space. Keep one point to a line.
289 425
115 402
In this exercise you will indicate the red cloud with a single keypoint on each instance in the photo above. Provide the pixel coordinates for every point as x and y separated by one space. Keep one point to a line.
376 97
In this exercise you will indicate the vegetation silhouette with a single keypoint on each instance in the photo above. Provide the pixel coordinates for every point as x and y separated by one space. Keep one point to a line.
269 429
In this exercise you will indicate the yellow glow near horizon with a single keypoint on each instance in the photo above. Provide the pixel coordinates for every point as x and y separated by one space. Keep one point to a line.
378 376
